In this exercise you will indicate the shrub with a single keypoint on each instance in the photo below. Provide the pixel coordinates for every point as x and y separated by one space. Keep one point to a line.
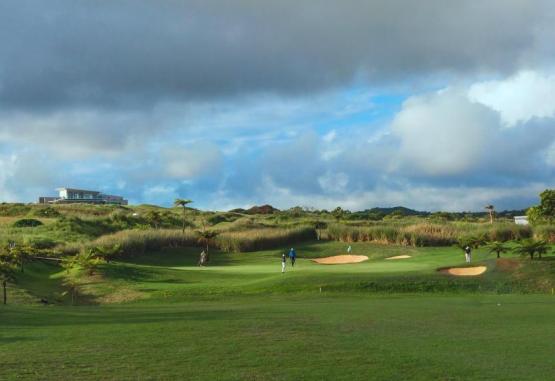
545 232
40 243
12 210
27 223
48 212
87 227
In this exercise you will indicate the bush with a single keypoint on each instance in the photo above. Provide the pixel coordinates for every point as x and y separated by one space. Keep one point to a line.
47 212
12 210
545 232
87 227
27 223
40 243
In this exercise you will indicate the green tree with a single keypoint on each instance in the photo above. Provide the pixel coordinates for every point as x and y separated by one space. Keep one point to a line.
183 204
205 237
497 247
545 212
87 260
473 242
107 253
22 255
338 213
542 248
7 271
319 226
154 218
531 247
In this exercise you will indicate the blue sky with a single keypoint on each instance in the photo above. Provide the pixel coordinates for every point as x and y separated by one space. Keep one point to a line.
438 106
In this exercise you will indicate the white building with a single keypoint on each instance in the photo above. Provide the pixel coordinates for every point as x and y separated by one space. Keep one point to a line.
73 195
521 220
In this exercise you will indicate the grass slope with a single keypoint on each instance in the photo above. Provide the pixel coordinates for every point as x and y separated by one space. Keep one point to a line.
509 337
241 319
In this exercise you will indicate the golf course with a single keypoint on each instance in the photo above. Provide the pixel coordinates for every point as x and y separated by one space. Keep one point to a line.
160 316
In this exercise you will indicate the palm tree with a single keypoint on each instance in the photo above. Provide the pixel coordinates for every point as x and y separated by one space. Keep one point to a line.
498 248
527 247
205 237
183 203
473 241
542 248
338 213
319 225
491 210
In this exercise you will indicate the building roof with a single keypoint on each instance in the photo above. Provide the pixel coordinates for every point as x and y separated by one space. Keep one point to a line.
78 190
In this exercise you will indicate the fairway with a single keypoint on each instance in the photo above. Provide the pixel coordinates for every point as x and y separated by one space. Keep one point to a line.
160 316
342 337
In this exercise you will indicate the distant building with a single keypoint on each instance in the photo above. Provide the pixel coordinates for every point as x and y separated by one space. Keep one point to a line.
521 220
73 195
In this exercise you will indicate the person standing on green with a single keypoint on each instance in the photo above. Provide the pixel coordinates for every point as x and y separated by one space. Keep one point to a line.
292 257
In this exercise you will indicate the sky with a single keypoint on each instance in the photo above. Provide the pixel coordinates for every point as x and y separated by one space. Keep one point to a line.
433 105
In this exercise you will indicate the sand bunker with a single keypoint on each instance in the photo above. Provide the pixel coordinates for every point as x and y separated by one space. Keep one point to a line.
341 259
400 257
465 271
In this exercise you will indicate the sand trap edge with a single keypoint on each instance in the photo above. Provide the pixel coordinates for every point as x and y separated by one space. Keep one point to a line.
340 259
399 257
463 271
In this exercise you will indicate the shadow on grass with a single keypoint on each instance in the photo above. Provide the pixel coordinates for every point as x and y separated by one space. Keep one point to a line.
83 315
179 258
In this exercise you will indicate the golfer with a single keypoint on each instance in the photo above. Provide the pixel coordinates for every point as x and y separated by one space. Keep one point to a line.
283 262
468 254
349 249
202 260
292 256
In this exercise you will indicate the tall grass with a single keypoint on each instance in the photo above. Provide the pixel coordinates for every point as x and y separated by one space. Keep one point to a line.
425 233
136 242
262 239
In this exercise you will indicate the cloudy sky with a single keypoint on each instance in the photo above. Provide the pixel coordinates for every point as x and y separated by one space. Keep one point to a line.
432 104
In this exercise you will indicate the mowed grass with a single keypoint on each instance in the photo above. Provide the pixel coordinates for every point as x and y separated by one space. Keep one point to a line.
174 274
241 319
286 337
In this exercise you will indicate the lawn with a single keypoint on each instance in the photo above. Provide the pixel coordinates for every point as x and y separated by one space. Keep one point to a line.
159 316
286 337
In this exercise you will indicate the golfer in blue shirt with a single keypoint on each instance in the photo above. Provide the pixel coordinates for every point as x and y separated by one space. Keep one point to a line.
292 256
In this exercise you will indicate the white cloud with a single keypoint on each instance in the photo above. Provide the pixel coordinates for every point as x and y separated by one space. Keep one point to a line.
334 182
330 136
190 162
519 98
154 194
443 134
